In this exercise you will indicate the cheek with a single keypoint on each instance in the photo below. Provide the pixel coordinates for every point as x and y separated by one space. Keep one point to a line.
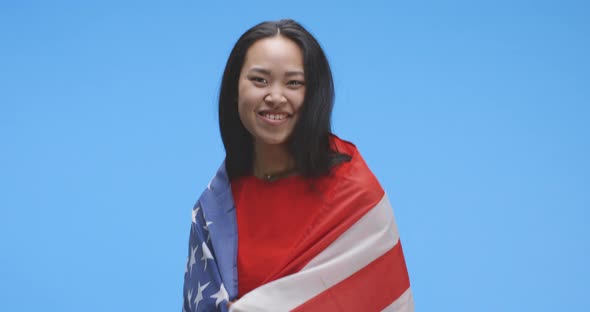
242 109
249 96
243 100
246 106
245 118
297 99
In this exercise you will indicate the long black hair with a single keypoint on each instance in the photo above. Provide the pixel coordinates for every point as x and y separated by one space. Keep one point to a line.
309 143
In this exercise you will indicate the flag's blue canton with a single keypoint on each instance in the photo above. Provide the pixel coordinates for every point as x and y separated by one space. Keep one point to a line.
211 278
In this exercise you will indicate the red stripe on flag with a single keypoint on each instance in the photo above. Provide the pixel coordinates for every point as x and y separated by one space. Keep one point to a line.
372 288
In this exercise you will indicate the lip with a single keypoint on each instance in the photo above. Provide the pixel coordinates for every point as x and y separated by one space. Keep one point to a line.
273 122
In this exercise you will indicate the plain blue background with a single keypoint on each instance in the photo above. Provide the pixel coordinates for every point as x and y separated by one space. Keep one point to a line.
474 115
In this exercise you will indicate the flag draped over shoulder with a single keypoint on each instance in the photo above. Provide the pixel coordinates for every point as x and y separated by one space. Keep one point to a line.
351 259
211 278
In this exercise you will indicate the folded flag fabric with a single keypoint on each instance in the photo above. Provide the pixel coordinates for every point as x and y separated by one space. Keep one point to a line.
352 260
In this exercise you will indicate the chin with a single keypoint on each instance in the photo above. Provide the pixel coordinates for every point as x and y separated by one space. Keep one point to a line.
274 140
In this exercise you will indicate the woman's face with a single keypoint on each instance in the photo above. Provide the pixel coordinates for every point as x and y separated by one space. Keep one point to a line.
271 89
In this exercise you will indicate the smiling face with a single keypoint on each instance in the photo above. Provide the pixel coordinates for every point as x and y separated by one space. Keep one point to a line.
271 89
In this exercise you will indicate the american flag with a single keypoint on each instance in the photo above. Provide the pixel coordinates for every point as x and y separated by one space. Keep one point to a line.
361 268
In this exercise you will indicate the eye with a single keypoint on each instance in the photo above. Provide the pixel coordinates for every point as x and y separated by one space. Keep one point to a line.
258 80
295 83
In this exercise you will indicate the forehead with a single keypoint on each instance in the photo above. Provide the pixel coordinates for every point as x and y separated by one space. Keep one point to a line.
274 51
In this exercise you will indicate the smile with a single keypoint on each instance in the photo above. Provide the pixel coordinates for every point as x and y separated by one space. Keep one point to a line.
279 116
274 118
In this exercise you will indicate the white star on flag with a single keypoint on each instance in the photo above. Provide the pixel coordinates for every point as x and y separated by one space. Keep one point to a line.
195 211
190 295
199 296
220 295
193 258
206 227
206 255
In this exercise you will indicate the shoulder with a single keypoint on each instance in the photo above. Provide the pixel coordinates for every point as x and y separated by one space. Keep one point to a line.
354 178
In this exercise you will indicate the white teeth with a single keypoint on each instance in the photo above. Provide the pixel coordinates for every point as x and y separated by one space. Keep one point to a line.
275 116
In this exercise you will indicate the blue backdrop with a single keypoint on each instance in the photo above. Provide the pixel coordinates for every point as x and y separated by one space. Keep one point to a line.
475 116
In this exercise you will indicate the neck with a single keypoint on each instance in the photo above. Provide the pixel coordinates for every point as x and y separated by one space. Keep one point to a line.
271 159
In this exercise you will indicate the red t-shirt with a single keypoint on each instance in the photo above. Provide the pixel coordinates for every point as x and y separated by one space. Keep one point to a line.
271 216
282 224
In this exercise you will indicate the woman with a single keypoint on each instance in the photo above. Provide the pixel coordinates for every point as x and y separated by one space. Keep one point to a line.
294 219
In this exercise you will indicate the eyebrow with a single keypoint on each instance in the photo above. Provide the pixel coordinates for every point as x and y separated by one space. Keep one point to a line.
267 72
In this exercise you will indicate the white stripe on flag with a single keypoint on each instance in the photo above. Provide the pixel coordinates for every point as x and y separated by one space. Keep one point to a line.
366 240
405 303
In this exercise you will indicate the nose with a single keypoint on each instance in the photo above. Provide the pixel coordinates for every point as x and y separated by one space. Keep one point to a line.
275 96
